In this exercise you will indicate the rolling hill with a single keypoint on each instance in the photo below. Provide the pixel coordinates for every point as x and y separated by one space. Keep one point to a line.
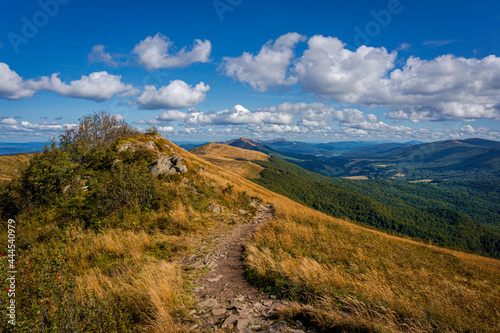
450 159
232 158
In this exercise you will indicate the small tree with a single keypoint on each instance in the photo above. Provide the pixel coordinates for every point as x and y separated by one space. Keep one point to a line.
94 133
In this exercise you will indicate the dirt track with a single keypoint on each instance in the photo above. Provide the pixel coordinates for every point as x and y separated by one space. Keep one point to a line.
227 301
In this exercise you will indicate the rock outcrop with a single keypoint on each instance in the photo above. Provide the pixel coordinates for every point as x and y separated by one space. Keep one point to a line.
167 165
164 165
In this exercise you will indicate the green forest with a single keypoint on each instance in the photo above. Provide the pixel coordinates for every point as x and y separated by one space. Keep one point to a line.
451 214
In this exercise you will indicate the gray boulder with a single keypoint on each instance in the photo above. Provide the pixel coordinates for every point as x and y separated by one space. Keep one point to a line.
167 165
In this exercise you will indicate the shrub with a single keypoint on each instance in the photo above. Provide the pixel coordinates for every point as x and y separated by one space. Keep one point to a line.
125 186
93 134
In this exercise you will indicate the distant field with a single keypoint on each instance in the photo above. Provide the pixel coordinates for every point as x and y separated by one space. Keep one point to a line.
356 177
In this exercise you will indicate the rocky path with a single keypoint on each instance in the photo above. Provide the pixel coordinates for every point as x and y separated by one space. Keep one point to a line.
227 301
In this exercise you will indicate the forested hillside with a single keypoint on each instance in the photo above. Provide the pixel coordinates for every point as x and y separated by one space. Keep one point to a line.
438 225
474 159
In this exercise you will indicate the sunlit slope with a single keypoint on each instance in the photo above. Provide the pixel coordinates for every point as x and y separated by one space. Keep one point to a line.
10 164
361 279
234 159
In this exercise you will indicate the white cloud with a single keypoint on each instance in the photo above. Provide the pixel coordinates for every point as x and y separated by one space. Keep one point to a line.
313 123
444 88
468 131
99 55
11 127
12 86
330 70
118 116
270 67
9 121
154 53
178 94
172 115
435 43
166 129
309 118
280 128
240 115
404 46
98 86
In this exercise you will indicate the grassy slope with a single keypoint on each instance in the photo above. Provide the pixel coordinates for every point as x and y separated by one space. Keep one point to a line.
351 275
232 158
10 163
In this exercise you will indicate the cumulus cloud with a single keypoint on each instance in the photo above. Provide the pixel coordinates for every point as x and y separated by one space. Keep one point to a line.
301 121
9 121
12 86
98 86
154 53
239 115
270 67
444 88
171 115
330 70
166 129
99 55
305 118
468 131
178 94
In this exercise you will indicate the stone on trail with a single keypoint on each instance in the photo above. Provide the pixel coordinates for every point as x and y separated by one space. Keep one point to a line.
242 326
244 313
214 279
218 312
235 303
278 327
229 321
209 303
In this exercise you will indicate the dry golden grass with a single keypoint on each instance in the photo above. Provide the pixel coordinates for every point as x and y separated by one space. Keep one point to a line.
356 275
356 177
9 164
229 158
116 266
222 150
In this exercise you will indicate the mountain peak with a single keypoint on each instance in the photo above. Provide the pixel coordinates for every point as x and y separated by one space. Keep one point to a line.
244 143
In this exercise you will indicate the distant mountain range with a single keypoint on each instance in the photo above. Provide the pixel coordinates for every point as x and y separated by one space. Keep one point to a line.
449 159
11 148
326 150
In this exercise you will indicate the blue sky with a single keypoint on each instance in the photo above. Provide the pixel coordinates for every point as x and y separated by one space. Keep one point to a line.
206 70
